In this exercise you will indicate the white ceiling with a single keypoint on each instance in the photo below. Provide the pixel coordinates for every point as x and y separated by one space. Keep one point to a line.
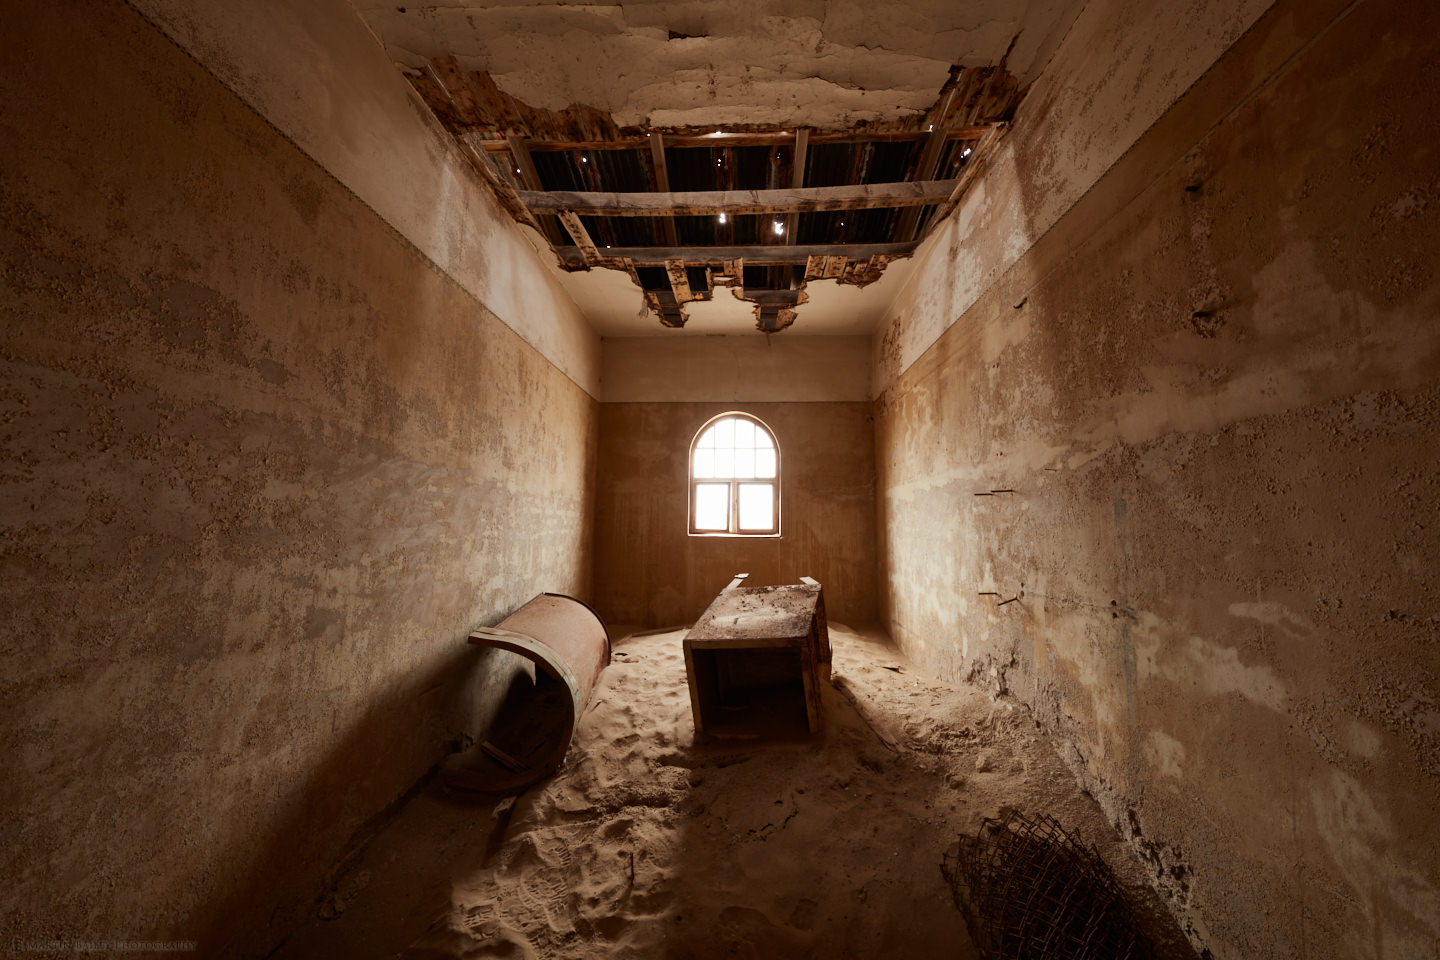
613 305
826 64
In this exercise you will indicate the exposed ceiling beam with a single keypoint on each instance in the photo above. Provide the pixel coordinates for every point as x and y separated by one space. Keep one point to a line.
581 236
784 298
825 268
683 141
927 165
759 254
520 150
924 170
530 177
797 165
662 180
738 202
679 280
797 180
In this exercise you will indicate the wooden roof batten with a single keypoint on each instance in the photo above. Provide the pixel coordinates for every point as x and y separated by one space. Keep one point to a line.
865 196
754 254
681 141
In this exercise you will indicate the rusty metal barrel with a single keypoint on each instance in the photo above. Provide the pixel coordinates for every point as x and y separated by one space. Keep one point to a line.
564 645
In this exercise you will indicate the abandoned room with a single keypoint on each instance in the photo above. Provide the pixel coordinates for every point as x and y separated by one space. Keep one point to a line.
687 479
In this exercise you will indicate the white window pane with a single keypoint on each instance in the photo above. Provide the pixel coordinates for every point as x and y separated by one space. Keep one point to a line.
705 463
744 434
707 440
757 506
725 433
712 506
724 462
765 463
745 463
763 441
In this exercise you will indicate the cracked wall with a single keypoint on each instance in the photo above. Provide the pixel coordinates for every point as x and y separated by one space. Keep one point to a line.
259 486
1214 384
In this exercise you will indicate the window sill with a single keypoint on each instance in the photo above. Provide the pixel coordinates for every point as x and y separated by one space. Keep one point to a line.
738 536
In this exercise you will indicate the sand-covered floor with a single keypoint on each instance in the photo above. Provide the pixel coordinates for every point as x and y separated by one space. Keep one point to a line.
648 845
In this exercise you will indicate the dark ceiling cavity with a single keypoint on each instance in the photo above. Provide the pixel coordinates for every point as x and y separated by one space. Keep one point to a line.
761 211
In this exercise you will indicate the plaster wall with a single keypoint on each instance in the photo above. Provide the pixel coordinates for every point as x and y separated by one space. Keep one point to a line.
1119 68
265 465
650 572
749 367
315 71
1214 385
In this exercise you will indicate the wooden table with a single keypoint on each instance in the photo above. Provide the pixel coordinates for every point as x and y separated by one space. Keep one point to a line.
755 660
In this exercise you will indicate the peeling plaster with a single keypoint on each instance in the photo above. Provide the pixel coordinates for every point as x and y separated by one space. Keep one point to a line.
824 63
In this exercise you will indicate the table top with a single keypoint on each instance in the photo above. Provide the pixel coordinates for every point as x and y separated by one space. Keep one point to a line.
758 616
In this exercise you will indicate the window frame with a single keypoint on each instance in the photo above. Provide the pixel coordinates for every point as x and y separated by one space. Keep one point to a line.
733 518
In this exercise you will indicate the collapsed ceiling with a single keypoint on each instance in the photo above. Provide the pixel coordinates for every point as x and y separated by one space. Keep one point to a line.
715 153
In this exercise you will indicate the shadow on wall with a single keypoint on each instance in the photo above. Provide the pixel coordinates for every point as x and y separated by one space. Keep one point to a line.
261 501
282 859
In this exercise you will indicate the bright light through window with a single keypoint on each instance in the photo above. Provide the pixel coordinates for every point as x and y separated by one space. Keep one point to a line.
757 506
712 506
734 478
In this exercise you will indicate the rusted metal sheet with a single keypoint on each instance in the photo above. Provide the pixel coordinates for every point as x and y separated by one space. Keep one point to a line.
755 660
568 645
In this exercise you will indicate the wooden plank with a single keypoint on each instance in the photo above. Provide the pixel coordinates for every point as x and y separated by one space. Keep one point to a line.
571 221
924 170
657 156
662 182
679 281
629 267
815 267
834 267
773 298
529 176
925 167
744 139
503 185
760 255
797 166
739 202
797 178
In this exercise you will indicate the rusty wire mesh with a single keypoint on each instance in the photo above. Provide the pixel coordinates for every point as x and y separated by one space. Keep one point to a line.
1031 891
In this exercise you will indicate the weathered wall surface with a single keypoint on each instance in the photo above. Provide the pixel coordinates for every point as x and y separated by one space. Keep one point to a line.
834 63
1215 386
315 71
1120 67
747 367
650 572
264 466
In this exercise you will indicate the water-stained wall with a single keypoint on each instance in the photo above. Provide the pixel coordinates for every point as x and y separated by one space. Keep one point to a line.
265 465
1214 388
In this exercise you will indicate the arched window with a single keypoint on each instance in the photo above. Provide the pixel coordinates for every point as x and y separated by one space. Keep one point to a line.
735 478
